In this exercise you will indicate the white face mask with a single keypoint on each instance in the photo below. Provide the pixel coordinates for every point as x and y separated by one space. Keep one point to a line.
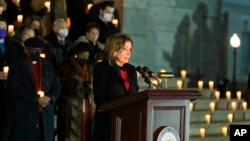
63 32
107 17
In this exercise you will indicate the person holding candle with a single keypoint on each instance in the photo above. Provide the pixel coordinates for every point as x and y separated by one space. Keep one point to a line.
76 105
113 77
34 87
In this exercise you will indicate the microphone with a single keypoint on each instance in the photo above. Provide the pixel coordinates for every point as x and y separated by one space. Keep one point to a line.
144 75
151 74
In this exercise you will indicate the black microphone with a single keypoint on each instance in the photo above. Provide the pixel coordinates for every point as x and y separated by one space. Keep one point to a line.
151 74
144 74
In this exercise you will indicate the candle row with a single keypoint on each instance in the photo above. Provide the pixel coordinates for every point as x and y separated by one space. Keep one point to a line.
212 105
209 116
200 84
228 95
224 131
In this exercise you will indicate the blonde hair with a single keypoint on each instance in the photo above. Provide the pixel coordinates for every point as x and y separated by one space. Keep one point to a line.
113 44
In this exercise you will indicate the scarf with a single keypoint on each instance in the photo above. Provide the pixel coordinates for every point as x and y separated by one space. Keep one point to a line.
36 69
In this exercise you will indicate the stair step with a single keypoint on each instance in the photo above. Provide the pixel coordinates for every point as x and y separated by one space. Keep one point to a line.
210 138
221 104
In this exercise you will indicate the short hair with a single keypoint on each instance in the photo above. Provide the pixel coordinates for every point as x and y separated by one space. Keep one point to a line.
3 20
113 44
58 20
105 4
92 25
3 4
20 32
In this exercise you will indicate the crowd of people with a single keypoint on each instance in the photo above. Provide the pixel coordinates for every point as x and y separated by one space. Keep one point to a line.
59 76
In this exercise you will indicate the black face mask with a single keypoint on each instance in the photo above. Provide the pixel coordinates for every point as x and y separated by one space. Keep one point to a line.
37 32
35 56
81 62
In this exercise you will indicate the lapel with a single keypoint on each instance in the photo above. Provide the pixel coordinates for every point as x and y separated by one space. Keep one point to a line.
118 75
26 68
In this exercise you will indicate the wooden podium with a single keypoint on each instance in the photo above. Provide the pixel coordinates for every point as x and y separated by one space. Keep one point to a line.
141 116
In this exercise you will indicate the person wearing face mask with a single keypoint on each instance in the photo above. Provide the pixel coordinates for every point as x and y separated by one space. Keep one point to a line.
58 42
104 19
75 106
33 87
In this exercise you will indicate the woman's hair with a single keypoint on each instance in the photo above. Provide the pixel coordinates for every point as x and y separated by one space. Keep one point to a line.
92 25
114 44
32 18
20 32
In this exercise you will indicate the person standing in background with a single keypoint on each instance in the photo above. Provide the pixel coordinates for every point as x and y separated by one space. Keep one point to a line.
58 42
113 77
76 104
34 87
104 19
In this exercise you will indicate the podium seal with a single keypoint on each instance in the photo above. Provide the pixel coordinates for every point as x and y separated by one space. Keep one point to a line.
168 134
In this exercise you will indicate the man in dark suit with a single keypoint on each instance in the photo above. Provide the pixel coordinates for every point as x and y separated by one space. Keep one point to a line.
34 87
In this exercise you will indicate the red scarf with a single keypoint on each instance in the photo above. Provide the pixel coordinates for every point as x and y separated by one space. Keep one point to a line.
125 78
36 69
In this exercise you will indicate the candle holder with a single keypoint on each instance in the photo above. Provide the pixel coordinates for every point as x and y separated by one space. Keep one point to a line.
179 84
191 106
211 84
224 130
208 118
238 95
5 71
233 105
183 74
244 105
200 84
212 106
10 29
20 18
47 5
230 117
228 95
40 93
202 132
217 95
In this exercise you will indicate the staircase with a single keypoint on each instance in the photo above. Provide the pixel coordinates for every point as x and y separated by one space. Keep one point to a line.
215 122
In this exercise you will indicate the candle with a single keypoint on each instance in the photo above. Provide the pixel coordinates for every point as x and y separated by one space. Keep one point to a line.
207 118
40 93
224 130
200 84
230 117
68 20
179 84
191 106
89 6
238 94
228 94
217 94
115 22
183 74
212 106
47 4
211 84
233 105
202 132
163 70
42 55
244 105
10 29
5 70
19 18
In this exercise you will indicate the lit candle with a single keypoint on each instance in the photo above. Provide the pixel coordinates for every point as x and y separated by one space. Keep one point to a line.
211 84
5 70
233 105
89 6
19 18
40 93
202 132
200 84
179 84
228 94
10 29
115 22
191 106
230 117
238 94
47 4
183 74
207 118
163 70
244 105
217 94
224 130
212 106
42 55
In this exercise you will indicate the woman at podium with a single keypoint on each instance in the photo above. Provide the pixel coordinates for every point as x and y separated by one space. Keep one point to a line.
113 77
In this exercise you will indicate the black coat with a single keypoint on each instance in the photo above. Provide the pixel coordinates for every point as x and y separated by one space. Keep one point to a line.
108 85
24 114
